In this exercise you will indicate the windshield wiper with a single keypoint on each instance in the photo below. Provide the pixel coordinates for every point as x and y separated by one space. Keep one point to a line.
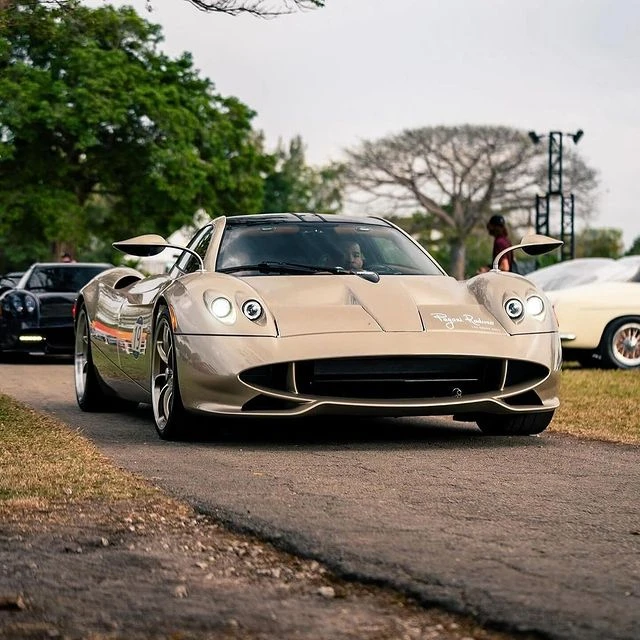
371 276
293 267
283 267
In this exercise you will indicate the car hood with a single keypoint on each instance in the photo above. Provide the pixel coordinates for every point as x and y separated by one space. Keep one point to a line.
57 296
329 304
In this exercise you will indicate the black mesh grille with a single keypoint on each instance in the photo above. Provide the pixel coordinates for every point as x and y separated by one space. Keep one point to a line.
399 377
55 312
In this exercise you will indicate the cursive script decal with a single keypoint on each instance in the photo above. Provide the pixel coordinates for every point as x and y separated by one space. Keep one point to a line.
450 322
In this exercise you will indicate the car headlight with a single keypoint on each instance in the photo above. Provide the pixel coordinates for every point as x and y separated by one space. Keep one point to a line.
514 308
30 304
226 311
17 304
23 303
222 309
252 309
535 305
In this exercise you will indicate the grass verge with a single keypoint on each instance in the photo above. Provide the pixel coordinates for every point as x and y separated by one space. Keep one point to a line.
599 404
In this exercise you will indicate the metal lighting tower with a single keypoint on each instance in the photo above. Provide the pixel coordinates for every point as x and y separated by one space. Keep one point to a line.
554 189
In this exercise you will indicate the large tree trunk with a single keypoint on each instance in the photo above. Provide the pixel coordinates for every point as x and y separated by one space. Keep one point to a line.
458 259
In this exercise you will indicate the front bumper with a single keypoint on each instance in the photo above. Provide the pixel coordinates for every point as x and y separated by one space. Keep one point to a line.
390 374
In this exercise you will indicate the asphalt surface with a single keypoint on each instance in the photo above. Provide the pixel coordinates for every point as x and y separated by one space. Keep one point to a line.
530 533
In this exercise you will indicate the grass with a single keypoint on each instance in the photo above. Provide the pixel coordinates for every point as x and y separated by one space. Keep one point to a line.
599 404
43 460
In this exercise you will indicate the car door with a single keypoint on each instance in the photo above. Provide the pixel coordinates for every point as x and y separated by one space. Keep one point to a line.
135 326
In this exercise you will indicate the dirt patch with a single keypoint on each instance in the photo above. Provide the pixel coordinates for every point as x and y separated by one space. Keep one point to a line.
157 570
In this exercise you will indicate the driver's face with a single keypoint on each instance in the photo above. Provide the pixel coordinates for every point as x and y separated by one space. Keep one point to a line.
354 256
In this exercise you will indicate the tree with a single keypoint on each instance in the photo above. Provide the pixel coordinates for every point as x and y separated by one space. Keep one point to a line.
292 185
599 242
461 175
262 8
102 136
634 249
424 228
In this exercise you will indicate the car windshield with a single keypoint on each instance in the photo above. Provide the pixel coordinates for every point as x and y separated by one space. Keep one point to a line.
306 248
61 279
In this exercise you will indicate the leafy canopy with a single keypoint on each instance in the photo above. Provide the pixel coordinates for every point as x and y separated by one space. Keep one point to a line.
102 136
292 185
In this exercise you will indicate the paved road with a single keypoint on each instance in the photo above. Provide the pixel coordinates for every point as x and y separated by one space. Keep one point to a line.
534 533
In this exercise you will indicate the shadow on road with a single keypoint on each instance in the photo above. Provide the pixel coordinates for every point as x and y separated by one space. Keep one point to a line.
35 359
330 431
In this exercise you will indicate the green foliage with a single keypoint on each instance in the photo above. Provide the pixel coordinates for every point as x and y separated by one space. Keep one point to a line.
634 249
425 229
102 136
292 185
600 243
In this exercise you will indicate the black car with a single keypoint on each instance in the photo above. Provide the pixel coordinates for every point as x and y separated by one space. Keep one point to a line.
36 313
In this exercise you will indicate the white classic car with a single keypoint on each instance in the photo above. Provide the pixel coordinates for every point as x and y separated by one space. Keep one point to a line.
597 303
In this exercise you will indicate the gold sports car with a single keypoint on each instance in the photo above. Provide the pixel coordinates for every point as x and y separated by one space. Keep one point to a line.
291 315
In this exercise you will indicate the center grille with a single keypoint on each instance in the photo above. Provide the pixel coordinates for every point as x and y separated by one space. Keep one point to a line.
382 377
397 377
56 311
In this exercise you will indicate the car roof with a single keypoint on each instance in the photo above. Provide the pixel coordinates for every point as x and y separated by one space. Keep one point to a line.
67 265
315 218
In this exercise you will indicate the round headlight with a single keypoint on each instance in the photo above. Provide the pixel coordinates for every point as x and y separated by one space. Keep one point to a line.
535 305
252 309
30 304
17 303
221 308
514 308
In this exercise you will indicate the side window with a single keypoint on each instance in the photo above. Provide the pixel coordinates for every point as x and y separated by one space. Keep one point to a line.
188 263
38 280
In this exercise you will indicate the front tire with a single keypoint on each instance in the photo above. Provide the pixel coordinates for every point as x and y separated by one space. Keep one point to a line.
525 424
168 411
89 393
620 348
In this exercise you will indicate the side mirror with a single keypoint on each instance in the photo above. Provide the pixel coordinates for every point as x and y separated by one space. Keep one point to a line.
151 244
143 246
534 244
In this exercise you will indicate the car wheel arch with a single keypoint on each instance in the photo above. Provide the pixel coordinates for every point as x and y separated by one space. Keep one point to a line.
605 349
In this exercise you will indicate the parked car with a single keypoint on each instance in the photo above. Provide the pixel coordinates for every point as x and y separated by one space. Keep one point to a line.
600 321
36 310
572 273
260 316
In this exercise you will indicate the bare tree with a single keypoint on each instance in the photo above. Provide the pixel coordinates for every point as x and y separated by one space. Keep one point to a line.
461 175
262 8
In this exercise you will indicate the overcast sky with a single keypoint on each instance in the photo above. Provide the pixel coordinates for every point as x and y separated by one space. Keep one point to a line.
363 69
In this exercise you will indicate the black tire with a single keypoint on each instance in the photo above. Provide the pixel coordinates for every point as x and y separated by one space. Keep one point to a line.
524 424
89 393
168 411
620 346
